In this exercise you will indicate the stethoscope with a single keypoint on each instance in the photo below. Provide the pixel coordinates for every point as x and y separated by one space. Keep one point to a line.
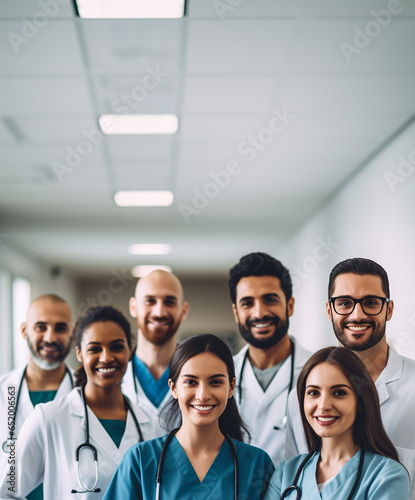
19 390
134 381
163 453
300 469
90 446
290 386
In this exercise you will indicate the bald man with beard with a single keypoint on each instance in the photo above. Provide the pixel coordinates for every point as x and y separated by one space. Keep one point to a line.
48 333
159 308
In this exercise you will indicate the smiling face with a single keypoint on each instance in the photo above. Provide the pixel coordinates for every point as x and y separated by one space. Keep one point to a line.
47 331
104 354
158 306
202 389
359 331
330 403
261 310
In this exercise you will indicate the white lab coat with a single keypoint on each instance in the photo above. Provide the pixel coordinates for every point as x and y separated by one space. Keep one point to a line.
47 443
396 390
140 397
9 384
260 410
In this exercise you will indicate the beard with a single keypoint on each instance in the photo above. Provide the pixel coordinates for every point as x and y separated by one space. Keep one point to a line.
46 364
162 335
375 338
280 330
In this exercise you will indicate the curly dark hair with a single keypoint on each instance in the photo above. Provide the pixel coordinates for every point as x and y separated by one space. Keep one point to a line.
94 315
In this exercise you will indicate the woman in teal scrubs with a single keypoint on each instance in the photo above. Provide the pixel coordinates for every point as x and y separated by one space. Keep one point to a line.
351 455
198 461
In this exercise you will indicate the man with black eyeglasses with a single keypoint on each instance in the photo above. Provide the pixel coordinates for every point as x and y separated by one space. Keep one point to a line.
359 306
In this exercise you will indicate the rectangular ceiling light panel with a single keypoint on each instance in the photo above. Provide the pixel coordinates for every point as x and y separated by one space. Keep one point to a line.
141 271
131 9
143 198
138 124
149 249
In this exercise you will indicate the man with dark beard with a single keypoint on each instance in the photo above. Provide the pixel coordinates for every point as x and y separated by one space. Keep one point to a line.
268 366
159 308
359 306
48 334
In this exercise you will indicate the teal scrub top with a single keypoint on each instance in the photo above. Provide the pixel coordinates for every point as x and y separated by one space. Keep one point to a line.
135 477
382 479
114 428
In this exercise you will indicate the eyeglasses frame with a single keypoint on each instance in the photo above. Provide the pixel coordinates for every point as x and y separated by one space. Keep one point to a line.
359 301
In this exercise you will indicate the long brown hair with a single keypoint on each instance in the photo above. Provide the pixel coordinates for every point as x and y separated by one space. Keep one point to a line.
368 430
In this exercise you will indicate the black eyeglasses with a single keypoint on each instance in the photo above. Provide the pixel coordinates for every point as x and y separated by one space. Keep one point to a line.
371 305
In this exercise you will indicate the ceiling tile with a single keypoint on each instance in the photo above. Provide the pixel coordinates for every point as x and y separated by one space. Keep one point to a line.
29 9
45 96
143 94
243 47
131 46
228 95
40 54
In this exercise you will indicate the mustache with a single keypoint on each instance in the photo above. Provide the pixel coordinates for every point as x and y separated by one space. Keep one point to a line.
160 318
59 347
265 319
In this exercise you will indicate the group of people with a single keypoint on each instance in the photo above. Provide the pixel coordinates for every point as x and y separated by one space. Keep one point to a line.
188 421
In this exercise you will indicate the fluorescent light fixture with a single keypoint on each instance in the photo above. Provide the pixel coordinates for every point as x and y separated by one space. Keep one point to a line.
143 198
149 249
139 124
141 271
136 9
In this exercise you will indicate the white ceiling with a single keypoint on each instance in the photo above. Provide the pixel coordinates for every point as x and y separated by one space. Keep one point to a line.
224 76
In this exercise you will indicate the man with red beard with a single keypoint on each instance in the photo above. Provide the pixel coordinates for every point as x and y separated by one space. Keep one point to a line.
268 366
48 334
359 306
159 308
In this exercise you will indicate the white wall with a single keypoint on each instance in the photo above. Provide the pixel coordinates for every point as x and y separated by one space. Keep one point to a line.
371 216
14 264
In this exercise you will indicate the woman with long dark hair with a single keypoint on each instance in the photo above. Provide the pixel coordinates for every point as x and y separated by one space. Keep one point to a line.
351 455
73 445
204 457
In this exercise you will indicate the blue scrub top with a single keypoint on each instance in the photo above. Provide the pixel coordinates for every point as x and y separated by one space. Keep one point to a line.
135 477
155 390
382 479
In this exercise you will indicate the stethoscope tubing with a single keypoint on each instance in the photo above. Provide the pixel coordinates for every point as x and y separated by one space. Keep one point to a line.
163 455
87 444
294 486
290 385
16 406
